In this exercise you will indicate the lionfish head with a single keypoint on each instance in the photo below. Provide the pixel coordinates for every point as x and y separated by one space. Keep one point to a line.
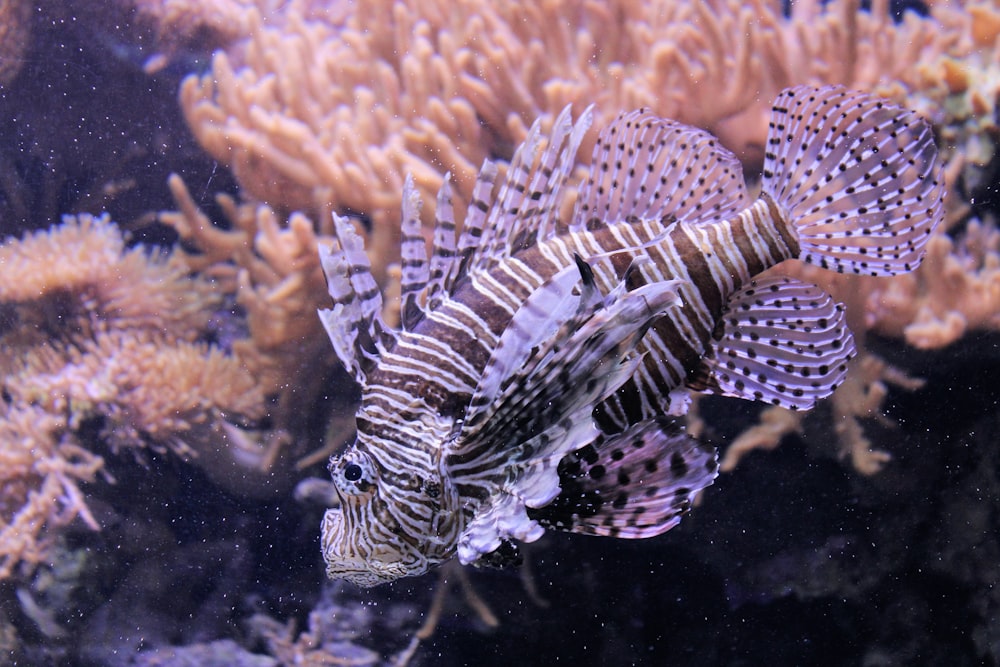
388 525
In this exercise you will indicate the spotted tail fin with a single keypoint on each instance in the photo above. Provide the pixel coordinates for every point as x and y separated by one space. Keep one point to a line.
856 176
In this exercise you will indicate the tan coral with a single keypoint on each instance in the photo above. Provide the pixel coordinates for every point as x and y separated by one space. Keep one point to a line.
956 289
985 18
274 272
150 391
774 424
105 332
81 269
322 114
40 470
860 397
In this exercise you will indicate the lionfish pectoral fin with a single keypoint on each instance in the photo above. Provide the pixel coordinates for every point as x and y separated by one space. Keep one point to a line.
525 419
537 320
633 484
783 341
556 358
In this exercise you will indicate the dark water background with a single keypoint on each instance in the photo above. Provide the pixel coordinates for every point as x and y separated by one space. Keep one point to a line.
793 559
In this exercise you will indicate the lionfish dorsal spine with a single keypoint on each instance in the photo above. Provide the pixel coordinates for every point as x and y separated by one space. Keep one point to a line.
415 271
507 200
537 219
444 246
355 325
475 218
526 207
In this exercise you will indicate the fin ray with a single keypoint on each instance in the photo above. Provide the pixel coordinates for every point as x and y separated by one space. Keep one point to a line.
526 206
354 324
442 261
646 167
635 484
413 255
784 341
856 176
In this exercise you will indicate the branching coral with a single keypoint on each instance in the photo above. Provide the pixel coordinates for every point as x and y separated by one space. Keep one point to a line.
274 273
314 114
148 390
40 469
97 333
79 278
859 398
956 289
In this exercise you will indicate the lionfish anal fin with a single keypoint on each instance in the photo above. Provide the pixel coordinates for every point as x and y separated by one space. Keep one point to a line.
782 341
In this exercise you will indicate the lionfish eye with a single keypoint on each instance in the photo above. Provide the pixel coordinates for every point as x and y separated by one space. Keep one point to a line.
352 472
355 476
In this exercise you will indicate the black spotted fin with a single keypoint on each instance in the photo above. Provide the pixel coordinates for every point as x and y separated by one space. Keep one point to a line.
780 340
645 166
633 484
857 176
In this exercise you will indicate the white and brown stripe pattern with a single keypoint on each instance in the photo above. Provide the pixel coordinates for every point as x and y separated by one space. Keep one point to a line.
534 358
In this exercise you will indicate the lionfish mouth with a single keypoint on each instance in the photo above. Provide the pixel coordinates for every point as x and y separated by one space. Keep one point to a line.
366 573
382 566
365 578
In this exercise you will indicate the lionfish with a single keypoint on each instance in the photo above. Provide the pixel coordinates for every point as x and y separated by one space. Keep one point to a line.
542 365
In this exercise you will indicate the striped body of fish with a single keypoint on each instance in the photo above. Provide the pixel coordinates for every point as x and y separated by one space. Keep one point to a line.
541 365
